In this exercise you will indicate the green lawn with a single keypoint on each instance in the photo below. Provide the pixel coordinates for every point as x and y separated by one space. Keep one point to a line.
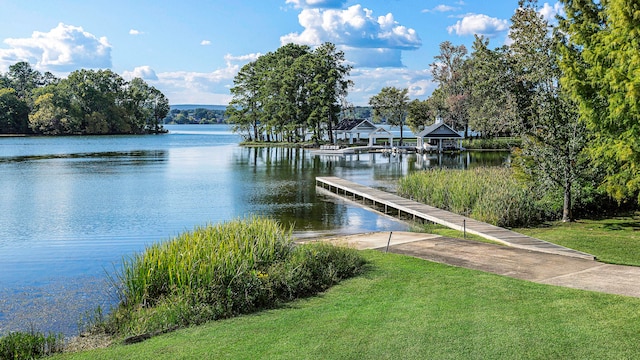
613 240
407 308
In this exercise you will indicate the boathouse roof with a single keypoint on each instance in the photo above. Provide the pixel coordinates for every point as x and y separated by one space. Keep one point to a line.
355 124
439 130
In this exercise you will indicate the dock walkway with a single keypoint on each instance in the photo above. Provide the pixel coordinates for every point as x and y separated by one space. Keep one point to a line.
396 205
341 151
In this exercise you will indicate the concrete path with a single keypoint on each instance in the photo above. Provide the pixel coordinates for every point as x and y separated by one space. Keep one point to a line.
400 205
522 264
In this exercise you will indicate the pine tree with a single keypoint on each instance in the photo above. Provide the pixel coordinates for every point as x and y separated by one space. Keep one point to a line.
601 65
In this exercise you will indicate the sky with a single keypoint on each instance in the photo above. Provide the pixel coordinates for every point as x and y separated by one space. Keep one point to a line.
191 49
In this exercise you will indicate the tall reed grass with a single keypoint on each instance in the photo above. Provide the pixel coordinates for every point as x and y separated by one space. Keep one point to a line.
488 194
222 270
207 255
30 345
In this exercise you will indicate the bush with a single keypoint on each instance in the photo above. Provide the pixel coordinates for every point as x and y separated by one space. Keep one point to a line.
218 271
499 143
491 194
30 345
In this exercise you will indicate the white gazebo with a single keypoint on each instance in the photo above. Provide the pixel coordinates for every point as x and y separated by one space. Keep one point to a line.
380 133
355 128
439 137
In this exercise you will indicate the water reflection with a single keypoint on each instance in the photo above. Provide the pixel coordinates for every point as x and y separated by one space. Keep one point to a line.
280 182
137 154
73 207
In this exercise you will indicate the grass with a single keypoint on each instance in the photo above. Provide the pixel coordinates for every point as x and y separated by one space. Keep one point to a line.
219 271
614 240
30 345
407 308
489 194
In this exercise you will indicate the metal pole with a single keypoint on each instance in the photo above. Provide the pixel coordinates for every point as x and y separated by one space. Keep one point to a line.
389 241
464 227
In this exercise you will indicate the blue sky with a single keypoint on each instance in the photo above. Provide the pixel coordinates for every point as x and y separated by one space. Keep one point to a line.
191 49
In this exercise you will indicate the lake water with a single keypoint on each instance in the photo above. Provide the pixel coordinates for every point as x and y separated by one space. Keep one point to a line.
72 207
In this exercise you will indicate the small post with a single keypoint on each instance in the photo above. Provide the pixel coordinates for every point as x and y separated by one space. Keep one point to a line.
389 241
464 228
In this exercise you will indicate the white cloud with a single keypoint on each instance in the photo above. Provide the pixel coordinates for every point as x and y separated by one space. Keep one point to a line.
479 24
143 72
373 41
549 12
368 82
184 87
135 32
62 49
354 27
205 43
321 4
242 58
441 8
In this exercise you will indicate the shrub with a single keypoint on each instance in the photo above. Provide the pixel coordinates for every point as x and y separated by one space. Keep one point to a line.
30 345
499 143
218 271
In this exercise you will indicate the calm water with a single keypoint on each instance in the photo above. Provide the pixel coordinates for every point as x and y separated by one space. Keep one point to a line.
72 207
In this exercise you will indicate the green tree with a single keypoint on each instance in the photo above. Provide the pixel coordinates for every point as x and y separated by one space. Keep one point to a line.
48 118
50 113
420 114
160 108
286 97
146 107
284 93
13 113
448 72
97 101
23 79
329 86
244 110
601 65
553 136
391 104
492 105
4 82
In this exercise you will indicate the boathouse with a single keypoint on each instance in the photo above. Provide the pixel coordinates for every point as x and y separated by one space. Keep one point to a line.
438 137
360 128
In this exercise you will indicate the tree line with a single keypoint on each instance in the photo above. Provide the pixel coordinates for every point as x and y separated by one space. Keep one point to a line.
87 102
195 116
283 95
569 91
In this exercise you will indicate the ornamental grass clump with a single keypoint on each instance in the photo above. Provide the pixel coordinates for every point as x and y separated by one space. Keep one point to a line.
488 194
222 270
30 345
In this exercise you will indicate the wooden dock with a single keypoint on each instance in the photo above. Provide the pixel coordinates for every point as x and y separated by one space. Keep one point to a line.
341 151
395 205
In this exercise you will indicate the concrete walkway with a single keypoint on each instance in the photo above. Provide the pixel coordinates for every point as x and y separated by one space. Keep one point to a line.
540 267
400 205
